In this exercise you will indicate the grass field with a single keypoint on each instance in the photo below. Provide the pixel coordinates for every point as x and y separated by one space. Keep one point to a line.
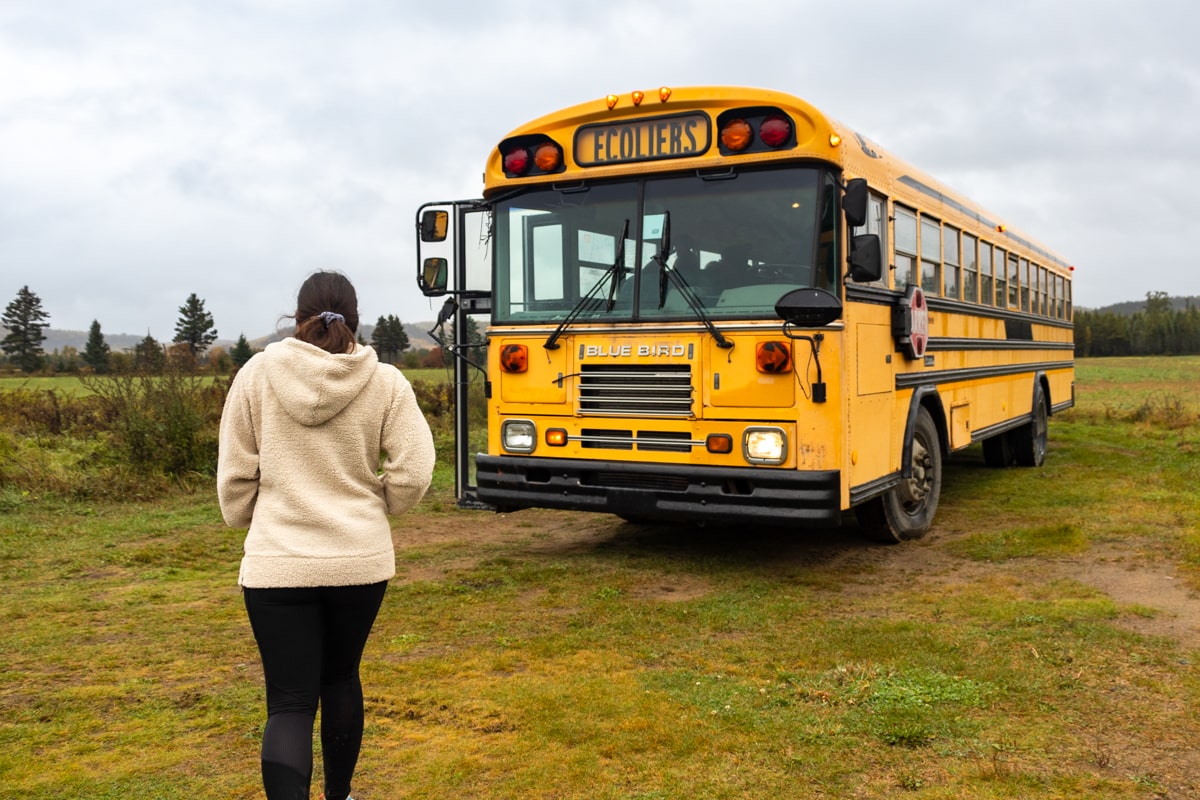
1040 643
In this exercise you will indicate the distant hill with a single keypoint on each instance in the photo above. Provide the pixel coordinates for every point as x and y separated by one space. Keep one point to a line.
1128 309
418 338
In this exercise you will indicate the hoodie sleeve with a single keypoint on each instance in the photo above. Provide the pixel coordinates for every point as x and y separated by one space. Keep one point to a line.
408 448
237 457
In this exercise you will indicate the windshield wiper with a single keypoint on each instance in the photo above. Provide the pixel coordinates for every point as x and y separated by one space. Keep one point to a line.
612 276
666 273
617 270
694 302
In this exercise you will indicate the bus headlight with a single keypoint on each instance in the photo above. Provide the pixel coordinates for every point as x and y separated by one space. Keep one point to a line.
764 445
518 435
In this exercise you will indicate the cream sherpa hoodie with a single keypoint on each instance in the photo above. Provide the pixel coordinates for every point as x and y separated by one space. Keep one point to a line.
300 465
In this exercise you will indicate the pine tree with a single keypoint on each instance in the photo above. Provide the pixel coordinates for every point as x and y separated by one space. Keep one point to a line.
96 352
149 356
389 338
25 320
195 326
241 351
401 335
379 338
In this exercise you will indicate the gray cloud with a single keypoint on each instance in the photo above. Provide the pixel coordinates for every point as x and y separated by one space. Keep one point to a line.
226 148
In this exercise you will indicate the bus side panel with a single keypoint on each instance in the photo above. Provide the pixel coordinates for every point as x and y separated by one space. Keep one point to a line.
874 416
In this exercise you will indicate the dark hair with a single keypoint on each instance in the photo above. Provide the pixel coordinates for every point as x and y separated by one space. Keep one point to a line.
327 291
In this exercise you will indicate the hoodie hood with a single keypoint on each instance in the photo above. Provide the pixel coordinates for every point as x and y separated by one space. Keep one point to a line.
314 386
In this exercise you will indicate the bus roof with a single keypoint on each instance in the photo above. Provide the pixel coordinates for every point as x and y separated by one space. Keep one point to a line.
818 137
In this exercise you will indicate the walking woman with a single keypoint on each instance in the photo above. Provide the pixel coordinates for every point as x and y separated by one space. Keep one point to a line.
302 432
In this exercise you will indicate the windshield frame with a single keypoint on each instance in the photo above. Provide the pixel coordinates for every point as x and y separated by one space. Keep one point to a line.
563 241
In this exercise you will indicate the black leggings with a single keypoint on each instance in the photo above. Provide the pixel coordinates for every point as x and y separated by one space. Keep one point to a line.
311 641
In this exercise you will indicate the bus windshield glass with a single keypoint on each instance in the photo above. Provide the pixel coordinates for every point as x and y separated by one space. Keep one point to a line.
736 242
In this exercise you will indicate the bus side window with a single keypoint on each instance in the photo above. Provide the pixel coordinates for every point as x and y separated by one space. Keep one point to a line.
1014 281
987 289
1026 285
1001 282
931 256
906 247
877 225
950 248
970 265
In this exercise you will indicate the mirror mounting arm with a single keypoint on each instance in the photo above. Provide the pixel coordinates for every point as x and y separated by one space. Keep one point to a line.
819 393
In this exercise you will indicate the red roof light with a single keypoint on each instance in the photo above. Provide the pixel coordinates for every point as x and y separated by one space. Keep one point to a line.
775 130
516 161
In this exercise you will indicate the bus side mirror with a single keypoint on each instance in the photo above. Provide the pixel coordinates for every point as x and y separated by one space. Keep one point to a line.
866 259
808 308
435 273
434 225
854 202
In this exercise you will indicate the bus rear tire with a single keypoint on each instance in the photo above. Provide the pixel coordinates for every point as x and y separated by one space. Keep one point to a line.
1029 441
906 511
997 451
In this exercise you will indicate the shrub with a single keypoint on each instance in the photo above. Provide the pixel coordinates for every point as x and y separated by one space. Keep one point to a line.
436 399
41 412
162 423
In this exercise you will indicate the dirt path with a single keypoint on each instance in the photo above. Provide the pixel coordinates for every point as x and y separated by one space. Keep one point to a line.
1152 599
1157 601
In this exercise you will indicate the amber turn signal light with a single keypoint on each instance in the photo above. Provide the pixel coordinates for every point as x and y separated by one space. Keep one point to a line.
514 358
719 443
773 357
737 135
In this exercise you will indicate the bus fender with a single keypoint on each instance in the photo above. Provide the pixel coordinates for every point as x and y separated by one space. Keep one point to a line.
928 397
1040 380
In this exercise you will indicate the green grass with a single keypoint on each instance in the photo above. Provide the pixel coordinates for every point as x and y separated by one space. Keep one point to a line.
68 385
577 657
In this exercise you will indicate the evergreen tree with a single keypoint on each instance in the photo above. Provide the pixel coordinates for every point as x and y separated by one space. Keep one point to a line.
25 321
149 356
401 335
96 352
195 326
389 338
379 338
241 352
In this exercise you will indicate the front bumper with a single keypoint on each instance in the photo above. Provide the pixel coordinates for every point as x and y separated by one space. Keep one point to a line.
661 491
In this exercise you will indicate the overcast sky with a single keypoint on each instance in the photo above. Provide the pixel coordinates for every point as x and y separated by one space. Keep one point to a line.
150 149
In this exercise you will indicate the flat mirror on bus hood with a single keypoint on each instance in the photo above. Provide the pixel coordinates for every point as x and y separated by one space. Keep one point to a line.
809 308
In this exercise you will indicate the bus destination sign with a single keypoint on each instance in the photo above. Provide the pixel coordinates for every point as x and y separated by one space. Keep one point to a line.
677 136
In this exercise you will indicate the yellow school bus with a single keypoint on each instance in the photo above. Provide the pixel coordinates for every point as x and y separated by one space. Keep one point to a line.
718 304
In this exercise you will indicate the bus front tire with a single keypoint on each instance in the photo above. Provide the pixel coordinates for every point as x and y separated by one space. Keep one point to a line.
906 511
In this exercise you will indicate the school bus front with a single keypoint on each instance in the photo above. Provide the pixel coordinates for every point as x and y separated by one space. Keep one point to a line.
661 425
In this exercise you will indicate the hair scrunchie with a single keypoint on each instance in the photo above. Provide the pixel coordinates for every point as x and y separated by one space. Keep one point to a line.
329 316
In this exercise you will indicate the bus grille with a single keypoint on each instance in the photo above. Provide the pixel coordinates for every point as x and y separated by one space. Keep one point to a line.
660 441
636 390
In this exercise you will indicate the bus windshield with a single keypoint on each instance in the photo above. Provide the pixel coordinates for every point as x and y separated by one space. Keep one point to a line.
736 241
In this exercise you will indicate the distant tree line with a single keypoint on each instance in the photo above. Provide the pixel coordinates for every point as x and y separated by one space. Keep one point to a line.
1159 328
192 348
